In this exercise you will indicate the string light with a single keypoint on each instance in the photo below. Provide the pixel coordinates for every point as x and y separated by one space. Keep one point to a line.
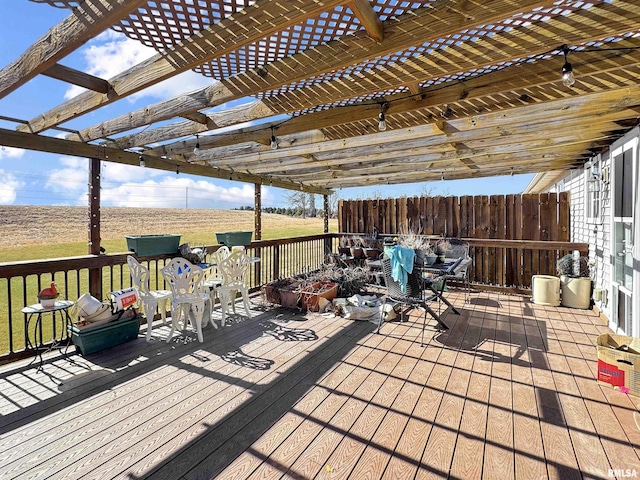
568 78
177 169
301 187
442 176
142 164
270 181
511 171
274 140
196 150
382 123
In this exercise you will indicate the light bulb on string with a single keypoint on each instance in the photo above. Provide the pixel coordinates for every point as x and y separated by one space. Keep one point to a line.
382 122
442 176
142 164
274 140
511 171
177 169
196 150
568 78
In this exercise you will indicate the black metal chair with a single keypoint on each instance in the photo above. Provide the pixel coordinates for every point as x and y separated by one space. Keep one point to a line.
415 296
460 249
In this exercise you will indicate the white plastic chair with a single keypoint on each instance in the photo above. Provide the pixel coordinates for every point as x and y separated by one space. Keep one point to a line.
185 280
150 299
234 271
213 281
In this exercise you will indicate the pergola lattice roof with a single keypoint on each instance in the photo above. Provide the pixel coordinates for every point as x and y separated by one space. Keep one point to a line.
468 88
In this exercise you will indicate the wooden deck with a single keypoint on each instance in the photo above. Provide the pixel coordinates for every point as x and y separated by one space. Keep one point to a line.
508 392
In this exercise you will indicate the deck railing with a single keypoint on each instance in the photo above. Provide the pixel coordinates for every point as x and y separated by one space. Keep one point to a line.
496 263
21 281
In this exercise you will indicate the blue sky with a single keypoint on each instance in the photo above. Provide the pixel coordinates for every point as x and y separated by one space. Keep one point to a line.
34 178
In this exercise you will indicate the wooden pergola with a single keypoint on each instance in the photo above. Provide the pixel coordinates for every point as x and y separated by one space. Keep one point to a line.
468 89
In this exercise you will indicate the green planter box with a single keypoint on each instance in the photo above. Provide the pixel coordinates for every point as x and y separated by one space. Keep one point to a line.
232 239
92 339
143 245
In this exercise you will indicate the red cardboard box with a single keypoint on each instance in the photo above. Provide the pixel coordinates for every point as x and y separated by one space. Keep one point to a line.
619 362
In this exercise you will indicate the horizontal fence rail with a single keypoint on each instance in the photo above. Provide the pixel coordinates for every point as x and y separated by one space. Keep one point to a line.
21 281
507 264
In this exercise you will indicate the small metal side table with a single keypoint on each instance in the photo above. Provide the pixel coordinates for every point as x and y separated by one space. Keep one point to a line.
36 310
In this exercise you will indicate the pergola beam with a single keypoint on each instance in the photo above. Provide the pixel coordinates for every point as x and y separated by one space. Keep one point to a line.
594 68
88 19
426 24
368 18
76 77
219 39
603 102
61 146
421 68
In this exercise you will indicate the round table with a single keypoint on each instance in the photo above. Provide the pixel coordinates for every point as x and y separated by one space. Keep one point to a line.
36 310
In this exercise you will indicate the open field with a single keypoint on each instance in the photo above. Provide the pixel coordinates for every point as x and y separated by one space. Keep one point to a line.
31 232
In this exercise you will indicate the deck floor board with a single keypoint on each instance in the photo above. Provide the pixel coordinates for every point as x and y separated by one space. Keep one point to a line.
509 391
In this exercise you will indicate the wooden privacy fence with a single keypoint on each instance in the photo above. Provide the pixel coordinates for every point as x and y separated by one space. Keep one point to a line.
504 217
511 237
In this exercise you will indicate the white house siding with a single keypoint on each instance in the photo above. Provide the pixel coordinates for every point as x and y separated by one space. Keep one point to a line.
598 235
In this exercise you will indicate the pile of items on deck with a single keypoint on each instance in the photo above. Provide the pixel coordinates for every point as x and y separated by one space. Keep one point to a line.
331 289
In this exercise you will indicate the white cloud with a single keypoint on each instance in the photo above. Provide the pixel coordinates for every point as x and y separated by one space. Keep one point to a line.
11 152
112 53
179 192
120 173
8 188
71 178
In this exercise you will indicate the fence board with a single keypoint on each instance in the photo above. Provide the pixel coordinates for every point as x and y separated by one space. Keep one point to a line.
500 233
563 216
391 215
546 217
360 216
439 220
411 223
466 218
477 233
485 227
530 229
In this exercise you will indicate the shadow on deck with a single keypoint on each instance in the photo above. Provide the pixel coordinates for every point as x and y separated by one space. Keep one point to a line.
508 391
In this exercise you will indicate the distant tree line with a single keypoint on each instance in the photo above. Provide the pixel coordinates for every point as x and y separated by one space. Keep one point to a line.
300 205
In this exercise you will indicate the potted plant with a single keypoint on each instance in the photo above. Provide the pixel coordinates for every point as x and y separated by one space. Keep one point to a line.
356 247
370 245
575 281
343 246
442 245
420 244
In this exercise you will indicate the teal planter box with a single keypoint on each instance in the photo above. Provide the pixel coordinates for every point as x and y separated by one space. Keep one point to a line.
143 245
232 239
92 339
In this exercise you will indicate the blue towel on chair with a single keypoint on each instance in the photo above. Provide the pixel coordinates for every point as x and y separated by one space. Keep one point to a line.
401 264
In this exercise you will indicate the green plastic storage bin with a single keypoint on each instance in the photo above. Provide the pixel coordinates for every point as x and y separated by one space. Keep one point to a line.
232 239
93 339
143 245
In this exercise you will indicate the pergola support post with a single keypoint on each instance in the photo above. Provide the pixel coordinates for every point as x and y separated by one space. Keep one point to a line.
257 210
95 274
327 241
